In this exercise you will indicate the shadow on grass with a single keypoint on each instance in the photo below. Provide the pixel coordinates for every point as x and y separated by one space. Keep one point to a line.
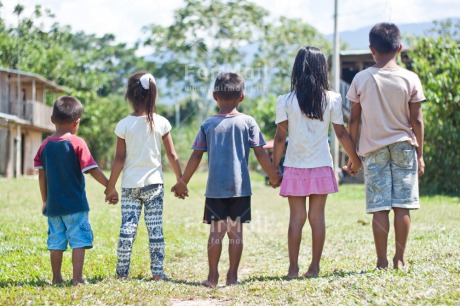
45 283
168 279
336 273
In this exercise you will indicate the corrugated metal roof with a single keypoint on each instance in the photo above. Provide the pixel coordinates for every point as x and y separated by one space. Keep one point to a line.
49 84
365 51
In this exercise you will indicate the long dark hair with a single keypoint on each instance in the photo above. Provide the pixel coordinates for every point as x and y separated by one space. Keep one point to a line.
142 99
309 81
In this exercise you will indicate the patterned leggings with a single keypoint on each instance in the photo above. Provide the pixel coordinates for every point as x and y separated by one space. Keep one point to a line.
132 200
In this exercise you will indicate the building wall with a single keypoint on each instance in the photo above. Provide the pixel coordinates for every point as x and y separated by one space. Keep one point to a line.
4 150
32 122
4 93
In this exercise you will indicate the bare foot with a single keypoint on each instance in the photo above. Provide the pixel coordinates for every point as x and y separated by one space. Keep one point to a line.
160 277
312 272
382 265
232 280
57 281
209 284
399 264
293 272
121 276
78 282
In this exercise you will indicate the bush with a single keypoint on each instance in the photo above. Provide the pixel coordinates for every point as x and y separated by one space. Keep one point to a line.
436 60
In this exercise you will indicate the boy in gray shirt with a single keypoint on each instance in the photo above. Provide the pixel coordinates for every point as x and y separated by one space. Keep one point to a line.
227 137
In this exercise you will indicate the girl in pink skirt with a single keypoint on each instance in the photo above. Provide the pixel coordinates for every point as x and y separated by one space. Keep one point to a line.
305 113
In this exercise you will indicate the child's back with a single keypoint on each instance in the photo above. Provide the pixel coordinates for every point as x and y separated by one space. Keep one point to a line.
384 95
308 145
138 155
61 161
228 139
64 160
386 101
143 159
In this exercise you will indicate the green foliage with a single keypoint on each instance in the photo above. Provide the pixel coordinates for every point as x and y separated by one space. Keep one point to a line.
98 124
436 60
89 67
278 48
208 37
204 39
263 109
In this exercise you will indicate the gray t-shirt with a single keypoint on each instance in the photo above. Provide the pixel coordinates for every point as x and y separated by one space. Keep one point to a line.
228 140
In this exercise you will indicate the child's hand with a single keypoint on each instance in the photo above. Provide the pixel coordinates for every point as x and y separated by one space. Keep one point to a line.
111 195
180 190
276 181
353 167
43 208
113 198
356 166
421 165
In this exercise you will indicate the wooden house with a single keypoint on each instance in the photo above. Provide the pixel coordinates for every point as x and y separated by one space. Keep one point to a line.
24 119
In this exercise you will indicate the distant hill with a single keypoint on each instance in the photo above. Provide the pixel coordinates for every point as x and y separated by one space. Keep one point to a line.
359 39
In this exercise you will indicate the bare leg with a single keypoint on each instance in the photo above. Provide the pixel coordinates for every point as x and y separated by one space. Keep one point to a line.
402 226
318 231
298 216
380 228
78 258
56 263
218 229
235 249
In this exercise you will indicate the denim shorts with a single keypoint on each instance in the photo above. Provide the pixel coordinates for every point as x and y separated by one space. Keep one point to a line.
73 229
391 178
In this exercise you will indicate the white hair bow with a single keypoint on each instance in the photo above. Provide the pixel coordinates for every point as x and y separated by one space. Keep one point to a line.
145 80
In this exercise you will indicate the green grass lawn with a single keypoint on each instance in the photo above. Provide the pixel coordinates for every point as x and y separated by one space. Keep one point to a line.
346 277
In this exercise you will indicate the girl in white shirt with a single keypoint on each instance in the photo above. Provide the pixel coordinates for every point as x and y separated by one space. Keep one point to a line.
305 114
138 154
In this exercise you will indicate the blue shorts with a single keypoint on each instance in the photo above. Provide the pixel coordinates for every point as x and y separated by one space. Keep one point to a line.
73 229
391 178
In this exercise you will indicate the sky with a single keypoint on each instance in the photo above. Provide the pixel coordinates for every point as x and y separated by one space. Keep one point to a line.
125 18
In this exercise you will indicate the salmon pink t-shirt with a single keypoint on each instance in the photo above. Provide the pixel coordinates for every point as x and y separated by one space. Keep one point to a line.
384 95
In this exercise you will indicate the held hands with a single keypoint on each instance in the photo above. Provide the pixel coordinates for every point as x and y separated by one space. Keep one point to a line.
180 189
353 167
111 195
276 181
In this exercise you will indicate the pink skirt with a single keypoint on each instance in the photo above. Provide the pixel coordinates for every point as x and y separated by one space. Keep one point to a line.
301 182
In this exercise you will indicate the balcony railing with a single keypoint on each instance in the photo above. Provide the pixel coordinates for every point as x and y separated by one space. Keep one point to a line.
39 114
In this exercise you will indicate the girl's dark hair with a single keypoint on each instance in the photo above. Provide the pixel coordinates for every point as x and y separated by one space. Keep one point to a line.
309 81
142 99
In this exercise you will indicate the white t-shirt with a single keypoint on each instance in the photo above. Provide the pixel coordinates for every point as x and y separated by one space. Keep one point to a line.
143 150
308 138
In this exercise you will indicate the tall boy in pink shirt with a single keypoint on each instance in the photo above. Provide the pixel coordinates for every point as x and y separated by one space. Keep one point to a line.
387 98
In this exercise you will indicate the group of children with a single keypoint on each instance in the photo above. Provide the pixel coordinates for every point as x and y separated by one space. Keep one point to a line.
385 107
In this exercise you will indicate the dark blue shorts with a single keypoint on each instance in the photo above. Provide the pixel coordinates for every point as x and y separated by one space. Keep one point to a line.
237 209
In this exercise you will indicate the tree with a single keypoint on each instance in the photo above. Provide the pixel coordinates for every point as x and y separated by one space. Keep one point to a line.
436 60
212 36
206 37
282 39
91 68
